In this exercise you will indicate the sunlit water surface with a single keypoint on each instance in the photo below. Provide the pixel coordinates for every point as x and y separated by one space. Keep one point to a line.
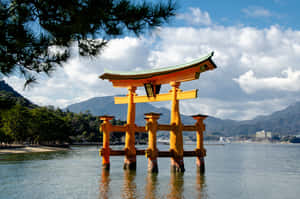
232 171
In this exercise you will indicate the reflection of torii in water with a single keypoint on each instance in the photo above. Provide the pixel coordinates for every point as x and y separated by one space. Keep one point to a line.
153 187
152 81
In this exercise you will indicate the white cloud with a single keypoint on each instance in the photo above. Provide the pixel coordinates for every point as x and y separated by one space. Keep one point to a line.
290 81
78 79
195 17
249 60
266 52
255 11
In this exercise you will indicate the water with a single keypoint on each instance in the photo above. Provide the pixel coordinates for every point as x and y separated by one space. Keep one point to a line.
232 171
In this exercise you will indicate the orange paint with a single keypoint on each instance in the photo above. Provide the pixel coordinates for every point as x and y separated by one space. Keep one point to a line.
106 129
130 132
179 75
169 75
200 126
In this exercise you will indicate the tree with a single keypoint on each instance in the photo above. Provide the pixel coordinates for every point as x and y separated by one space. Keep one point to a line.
15 123
31 29
48 126
2 136
7 100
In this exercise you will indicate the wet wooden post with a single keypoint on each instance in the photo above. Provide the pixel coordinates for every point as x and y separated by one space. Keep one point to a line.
200 150
152 152
130 151
176 139
106 128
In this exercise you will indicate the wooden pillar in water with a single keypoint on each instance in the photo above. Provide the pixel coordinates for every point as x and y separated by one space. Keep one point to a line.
105 127
152 152
200 150
130 151
176 139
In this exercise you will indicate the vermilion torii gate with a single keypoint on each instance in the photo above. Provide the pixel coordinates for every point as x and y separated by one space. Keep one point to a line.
152 81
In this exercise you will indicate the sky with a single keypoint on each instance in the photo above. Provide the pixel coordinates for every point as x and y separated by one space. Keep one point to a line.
256 48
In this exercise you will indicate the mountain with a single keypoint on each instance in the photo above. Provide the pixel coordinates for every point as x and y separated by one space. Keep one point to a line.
5 87
286 121
8 96
105 106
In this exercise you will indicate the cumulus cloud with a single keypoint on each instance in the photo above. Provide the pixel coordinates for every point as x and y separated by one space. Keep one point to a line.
195 17
266 52
290 81
256 11
258 69
78 79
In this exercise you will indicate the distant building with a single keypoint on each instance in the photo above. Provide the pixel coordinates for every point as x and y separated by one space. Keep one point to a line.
123 139
263 134
268 135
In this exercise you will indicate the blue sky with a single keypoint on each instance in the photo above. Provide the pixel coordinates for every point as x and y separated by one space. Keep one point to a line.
257 51
256 13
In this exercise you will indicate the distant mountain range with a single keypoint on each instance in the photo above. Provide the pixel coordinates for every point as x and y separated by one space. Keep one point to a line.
285 122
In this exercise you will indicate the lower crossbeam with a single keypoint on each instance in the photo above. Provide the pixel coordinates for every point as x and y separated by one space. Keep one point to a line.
162 154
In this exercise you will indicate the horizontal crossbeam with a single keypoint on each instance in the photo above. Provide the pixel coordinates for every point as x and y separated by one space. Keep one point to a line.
142 129
190 128
160 97
165 127
162 154
118 128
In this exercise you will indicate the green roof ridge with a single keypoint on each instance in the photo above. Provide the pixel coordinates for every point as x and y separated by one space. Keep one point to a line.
160 69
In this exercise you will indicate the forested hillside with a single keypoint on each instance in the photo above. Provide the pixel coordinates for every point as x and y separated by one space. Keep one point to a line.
21 121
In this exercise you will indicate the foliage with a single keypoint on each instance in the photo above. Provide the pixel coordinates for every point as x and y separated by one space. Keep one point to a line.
291 139
45 125
84 127
8 99
36 35
15 122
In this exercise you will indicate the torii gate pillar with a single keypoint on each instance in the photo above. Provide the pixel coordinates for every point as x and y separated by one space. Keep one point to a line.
176 139
130 151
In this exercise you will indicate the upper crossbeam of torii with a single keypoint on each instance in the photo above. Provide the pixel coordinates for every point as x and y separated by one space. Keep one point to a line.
152 81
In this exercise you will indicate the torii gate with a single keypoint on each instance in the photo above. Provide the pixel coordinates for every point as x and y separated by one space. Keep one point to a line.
152 81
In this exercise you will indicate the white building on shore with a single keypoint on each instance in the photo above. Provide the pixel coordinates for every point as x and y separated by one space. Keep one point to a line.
263 134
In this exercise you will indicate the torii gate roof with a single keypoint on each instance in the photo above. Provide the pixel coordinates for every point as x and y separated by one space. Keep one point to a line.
179 73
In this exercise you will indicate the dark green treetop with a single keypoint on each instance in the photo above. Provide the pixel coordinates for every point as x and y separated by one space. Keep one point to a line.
29 29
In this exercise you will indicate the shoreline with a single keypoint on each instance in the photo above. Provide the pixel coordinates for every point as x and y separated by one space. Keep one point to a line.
31 149
22 149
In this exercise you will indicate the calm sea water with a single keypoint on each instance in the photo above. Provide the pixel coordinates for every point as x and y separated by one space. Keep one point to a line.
232 171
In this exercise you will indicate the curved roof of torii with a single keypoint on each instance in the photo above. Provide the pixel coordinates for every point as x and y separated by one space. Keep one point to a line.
179 73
